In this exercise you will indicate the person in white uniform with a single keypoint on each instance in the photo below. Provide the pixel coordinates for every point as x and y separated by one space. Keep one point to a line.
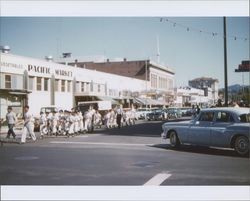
107 119
81 128
55 119
71 123
76 122
43 124
98 119
28 125
119 114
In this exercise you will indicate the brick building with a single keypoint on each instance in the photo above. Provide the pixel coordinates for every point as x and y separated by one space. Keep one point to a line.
159 79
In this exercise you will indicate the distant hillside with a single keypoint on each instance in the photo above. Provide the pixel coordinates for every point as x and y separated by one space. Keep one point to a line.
234 88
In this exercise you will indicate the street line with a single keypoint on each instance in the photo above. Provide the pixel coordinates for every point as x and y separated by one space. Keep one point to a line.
99 143
157 180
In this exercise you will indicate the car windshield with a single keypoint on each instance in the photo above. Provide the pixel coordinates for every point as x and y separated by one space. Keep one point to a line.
245 118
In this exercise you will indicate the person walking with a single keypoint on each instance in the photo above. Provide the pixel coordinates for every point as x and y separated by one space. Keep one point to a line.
28 125
43 124
11 121
119 113
197 110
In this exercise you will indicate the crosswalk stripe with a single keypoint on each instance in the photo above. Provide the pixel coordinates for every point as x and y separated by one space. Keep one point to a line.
157 179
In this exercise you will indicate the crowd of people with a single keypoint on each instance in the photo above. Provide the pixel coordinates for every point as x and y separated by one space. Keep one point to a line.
68 122
73 122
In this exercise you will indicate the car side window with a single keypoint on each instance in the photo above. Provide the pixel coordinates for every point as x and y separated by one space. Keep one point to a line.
206 116
224 117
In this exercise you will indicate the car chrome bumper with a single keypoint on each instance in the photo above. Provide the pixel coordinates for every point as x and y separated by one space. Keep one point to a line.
163 135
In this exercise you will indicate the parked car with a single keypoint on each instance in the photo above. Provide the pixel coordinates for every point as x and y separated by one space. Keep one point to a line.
185 111
173 113
141 113
190 112
217 127
156 115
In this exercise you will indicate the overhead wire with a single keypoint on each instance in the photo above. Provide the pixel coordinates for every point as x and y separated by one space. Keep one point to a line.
194 29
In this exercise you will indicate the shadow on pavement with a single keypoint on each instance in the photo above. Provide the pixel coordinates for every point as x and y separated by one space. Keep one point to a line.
200 150
147 129
143 129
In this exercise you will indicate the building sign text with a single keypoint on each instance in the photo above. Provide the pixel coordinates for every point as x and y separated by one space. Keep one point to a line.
39 69
12 65
63 73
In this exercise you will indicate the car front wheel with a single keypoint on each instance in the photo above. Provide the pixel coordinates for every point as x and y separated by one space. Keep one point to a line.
174 140
242 145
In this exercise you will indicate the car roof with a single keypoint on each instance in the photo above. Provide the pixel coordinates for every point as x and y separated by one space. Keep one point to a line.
239 110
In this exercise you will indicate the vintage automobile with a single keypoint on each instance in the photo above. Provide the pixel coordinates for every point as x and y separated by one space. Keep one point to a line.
173 113
215 127
156 115
141 113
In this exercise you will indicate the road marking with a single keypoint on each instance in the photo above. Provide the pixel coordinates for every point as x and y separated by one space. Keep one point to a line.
81 136
99 143
157 180
26 158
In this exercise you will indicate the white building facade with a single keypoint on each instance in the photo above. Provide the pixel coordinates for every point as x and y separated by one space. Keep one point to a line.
40 83
209 85
188 96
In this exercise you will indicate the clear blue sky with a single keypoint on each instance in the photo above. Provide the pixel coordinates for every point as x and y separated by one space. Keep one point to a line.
191 54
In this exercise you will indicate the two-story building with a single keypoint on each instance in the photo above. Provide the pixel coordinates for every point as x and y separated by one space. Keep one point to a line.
40 82
209 85
159 79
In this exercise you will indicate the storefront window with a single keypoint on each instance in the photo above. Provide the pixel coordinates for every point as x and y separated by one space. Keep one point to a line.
63 85
38 83
82 87
69 86
87 86
46 84
31 83
153 81
7 81
99 88
56 85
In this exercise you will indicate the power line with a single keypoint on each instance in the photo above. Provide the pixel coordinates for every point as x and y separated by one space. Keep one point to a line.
194 29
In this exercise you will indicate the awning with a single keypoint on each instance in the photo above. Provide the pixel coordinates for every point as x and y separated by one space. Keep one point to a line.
148 101
14 91
199 100
107 98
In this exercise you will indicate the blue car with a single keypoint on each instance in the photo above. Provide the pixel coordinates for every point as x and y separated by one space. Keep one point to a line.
216 127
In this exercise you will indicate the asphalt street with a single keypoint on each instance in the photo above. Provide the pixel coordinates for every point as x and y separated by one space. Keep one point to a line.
133 155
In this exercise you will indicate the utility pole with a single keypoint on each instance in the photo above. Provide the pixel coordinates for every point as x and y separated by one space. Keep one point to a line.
146 79
225 62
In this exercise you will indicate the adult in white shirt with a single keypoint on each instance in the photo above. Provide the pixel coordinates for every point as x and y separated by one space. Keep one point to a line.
28 125
43 124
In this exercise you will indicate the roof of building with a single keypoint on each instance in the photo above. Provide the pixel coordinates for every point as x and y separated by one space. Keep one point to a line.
204 79
102 59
